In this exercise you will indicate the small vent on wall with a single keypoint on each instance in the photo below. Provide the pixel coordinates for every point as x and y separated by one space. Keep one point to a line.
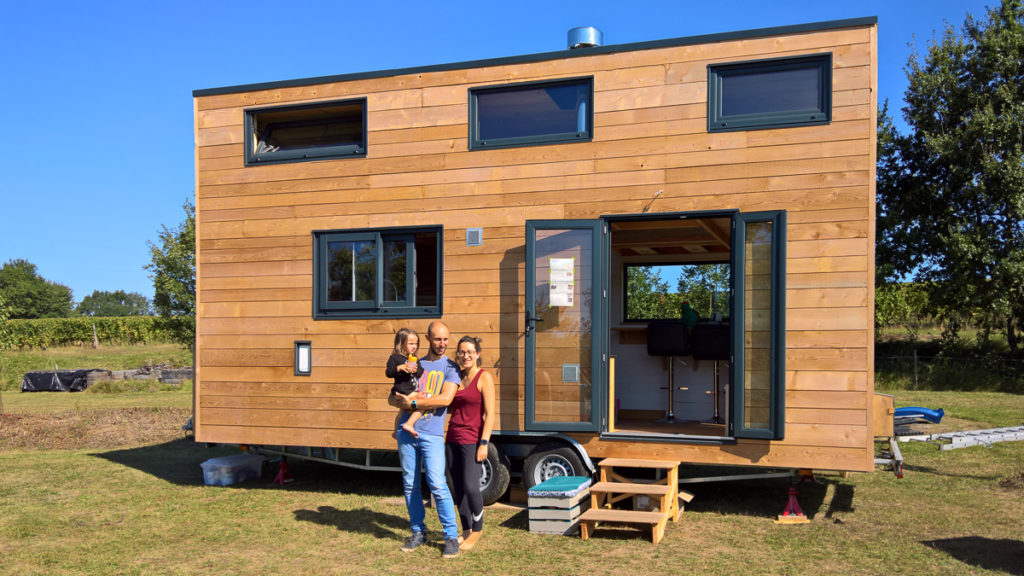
474 236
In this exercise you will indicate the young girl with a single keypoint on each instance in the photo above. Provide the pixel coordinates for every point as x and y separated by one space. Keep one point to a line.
404 368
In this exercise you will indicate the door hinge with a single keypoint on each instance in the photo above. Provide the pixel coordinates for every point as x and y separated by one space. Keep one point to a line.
604 293
604 358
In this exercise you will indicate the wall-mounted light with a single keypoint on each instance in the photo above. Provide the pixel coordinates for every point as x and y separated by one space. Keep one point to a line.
303 357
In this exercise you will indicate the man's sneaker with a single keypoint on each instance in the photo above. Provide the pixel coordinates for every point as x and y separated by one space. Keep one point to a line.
413 542
451 548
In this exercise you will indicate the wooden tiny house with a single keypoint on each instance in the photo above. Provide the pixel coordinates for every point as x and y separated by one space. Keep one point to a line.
525 200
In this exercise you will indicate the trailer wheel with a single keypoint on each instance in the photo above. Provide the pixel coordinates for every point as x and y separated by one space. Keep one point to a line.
494 475
549 460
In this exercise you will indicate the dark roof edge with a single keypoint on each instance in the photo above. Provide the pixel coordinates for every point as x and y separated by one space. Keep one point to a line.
648 45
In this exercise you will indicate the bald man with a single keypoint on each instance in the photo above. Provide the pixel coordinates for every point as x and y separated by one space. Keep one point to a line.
435 391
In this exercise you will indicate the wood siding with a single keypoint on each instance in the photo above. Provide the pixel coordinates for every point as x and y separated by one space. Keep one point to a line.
254 243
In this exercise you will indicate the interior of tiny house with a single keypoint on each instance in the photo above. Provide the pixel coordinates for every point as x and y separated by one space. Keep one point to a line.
669 315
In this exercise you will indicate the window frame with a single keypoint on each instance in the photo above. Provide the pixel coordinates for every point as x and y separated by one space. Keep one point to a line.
301 154
323 309
475 143
718 122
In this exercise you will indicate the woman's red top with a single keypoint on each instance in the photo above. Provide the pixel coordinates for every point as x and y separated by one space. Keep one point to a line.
467 411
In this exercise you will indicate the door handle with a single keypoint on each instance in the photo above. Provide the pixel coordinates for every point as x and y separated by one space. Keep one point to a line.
530 322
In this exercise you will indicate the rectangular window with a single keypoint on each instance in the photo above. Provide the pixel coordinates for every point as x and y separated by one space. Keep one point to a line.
531 113
305 132
657 291
381 272
770 93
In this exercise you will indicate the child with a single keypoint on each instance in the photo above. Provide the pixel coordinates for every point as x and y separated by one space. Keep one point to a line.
403 367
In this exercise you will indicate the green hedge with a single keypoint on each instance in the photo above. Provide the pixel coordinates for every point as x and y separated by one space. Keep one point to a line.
47 332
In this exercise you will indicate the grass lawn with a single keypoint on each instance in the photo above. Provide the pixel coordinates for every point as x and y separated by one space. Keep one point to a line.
127 502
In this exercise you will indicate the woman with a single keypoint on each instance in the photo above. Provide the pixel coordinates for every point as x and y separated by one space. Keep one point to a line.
469 432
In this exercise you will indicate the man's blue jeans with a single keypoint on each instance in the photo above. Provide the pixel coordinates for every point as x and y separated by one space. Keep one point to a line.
428 451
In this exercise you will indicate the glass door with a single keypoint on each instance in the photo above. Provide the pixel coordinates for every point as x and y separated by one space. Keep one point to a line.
759 331
564 325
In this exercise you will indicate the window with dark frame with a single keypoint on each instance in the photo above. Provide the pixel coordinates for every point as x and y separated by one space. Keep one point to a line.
378 272
531 113
770 93
306 132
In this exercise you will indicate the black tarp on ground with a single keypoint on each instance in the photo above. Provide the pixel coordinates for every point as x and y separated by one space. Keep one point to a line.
56 381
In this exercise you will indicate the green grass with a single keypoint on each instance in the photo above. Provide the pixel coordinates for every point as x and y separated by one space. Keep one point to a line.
143 510
144 395
14 364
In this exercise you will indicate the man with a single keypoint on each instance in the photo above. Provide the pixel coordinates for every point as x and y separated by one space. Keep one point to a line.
436 389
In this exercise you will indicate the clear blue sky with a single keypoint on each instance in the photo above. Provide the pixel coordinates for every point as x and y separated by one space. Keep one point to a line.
97 96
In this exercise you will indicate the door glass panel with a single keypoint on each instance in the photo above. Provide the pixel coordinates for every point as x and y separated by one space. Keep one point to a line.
757 270
563 288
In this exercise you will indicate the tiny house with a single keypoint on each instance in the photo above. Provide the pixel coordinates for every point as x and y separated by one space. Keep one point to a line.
561 206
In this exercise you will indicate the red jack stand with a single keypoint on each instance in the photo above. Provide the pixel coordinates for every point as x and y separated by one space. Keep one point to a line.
284 475
792 514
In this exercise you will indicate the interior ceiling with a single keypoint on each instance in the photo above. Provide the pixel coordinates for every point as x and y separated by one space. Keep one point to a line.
697 236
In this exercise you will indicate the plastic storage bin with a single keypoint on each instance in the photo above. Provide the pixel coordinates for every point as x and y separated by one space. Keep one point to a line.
228 470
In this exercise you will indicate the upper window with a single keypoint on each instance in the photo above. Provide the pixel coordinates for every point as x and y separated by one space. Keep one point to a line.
531 113
309 131
770 93
380 272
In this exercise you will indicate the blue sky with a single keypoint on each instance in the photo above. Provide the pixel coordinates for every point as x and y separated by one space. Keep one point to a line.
97 96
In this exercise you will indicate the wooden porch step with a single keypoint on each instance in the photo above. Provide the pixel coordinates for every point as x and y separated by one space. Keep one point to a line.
639 463
631 488
624 516
590 518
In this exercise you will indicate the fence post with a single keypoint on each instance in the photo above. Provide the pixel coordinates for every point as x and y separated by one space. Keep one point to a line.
915 368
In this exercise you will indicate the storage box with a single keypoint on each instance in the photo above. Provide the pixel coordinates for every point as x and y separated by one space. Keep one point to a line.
228 470
555 505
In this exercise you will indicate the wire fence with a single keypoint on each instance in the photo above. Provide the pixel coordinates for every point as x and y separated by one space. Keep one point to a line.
918 372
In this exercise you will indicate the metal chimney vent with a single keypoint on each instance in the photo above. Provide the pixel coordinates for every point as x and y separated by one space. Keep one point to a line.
585 37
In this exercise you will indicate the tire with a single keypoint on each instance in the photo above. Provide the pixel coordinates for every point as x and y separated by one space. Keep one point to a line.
494 475
549 460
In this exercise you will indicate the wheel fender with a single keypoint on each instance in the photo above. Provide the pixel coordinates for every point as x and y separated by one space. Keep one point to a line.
578 448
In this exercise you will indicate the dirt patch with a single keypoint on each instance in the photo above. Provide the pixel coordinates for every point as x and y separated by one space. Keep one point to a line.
1015 482
72 430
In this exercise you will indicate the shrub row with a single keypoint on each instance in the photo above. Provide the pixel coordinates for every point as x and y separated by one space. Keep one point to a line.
49 332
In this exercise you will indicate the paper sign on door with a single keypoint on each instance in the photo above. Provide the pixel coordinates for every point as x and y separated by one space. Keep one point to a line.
561 281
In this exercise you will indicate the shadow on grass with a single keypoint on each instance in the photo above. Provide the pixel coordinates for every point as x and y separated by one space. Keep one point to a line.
364 520
768 498
985 553
940 472
178 462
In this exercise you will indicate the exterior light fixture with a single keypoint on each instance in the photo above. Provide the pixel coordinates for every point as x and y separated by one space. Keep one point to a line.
303 357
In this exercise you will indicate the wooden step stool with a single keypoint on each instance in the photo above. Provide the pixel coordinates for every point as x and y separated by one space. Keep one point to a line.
613 488
555 505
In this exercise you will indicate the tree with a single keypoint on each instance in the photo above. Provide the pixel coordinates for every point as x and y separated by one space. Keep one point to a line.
173 269
647 295
119 303
29 295
706 288
4 312
951 193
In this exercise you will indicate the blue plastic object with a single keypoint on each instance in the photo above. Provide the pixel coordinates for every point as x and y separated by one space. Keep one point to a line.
933 416
560 486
